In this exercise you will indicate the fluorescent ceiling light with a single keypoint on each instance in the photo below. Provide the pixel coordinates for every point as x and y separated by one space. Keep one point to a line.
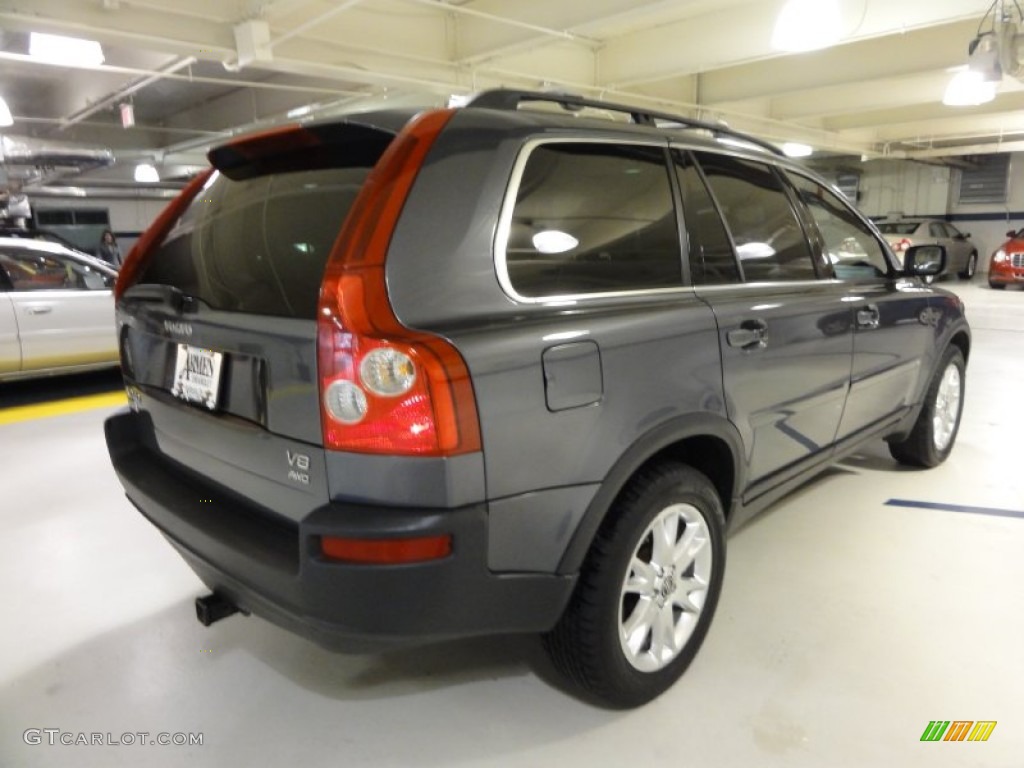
554 241
5 114
146 173
807 25
70 51
795 149
968 88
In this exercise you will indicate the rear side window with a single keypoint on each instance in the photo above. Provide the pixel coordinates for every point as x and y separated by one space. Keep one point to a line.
258 245
712 261
593 218
770 242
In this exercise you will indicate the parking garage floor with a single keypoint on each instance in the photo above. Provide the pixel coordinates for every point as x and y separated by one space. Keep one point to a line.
847 624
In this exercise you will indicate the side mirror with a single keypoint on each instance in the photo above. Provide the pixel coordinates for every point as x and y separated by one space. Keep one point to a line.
1012 234
924 260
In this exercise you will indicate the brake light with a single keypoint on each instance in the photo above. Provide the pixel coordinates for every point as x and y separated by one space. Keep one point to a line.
385 388
901 245
139 256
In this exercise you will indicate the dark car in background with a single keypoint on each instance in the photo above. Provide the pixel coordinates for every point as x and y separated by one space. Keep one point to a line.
398 377
962 254
1006 267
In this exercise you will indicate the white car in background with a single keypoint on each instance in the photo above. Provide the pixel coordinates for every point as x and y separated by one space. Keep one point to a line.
962 255
56 310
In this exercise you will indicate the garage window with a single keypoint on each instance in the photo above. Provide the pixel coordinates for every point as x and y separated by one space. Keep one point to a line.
593 218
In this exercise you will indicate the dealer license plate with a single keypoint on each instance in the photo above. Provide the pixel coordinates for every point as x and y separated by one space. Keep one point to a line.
197 375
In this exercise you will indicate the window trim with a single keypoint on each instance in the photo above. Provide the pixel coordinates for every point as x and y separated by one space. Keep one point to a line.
504 228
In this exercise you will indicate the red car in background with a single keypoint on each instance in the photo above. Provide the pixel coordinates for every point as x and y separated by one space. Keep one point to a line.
1007 264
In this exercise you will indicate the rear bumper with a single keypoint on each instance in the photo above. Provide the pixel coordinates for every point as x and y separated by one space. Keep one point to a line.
271 566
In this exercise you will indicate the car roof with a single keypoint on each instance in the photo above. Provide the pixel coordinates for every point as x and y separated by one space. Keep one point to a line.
48 246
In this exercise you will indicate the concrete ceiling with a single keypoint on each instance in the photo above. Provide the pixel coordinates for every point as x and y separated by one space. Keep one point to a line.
878 92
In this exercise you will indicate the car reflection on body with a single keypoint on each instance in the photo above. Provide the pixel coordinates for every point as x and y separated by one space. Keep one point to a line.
56 310
1006 267
905 232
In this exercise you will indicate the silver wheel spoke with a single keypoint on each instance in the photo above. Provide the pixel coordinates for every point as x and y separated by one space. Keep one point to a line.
639 625
689 546
664 646
665 536
641 578
947 407
689 595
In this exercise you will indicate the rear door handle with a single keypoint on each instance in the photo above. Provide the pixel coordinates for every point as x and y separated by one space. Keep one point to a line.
39 309
868 317
752 334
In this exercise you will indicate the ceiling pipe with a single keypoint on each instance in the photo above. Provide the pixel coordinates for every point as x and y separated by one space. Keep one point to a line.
465 11
128 90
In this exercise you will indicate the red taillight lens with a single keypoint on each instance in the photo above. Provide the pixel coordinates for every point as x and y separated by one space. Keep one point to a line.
138 257
386 551
385 388
901 245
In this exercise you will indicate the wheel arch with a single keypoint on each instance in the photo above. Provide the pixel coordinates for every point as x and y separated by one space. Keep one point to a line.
707 442
962 341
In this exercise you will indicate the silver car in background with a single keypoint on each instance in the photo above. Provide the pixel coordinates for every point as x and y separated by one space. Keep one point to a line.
962 254
56 310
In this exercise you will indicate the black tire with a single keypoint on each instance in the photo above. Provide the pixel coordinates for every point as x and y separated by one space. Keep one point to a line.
997 286
586 645
934 432
970 267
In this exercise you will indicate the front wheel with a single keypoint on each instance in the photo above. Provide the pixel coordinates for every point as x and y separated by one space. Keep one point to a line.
997 286
970 267
647 590
934 432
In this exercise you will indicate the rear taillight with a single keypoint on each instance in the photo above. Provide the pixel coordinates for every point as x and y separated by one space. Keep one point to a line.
139 255
383 387
901 245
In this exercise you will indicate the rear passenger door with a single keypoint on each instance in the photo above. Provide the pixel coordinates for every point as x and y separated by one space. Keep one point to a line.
64 309
10 345
892 323
785 335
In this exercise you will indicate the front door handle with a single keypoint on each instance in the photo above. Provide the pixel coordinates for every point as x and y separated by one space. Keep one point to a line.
752 334
868 317
40 309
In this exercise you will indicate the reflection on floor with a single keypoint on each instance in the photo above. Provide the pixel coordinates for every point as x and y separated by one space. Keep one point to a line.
846 626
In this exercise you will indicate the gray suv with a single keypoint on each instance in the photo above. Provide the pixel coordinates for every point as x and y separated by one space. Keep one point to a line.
400 377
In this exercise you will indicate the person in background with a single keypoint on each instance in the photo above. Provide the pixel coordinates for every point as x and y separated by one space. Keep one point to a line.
108 250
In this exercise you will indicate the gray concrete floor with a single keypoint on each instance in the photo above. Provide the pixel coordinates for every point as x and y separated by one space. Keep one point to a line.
845 626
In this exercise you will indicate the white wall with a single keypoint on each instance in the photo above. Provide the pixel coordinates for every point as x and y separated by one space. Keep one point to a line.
915 189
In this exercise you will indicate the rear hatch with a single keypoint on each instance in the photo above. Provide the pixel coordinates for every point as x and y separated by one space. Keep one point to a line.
217 320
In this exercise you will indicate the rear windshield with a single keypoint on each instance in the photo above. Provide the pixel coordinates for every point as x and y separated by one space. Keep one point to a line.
898 227
258 245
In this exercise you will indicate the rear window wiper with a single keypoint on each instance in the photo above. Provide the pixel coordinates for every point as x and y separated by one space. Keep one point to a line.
175 298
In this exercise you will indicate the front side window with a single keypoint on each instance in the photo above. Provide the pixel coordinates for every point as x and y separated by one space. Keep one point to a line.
593 218
31 270
849 244
770 241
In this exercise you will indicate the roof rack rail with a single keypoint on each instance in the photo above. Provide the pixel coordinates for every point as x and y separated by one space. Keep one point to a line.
510 99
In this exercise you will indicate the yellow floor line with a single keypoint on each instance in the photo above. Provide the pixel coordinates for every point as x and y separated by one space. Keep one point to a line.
61 407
